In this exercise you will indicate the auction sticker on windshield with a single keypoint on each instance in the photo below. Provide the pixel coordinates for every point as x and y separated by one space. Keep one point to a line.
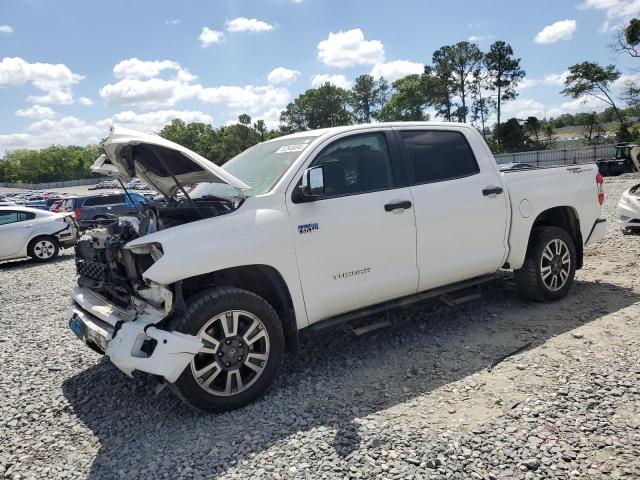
296 147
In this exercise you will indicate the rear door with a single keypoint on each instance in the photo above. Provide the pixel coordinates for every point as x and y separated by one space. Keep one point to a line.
460 206
356 245
15 231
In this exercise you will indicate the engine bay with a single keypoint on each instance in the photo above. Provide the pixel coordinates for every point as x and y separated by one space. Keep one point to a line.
104 266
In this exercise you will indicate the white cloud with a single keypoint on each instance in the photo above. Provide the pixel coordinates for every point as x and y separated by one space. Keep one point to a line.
6 29
613 8
561 30
54 79
528 83
173 21
282 75
74 131
243 24
555 79
249 98
549 80
338 80
527 107
584 104
522 108
346 49
396 69
271 117
152 92
153 121
64 131
59 97
36 111
209 37
85 101
135 68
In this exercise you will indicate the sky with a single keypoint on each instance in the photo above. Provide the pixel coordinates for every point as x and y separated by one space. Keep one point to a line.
70 69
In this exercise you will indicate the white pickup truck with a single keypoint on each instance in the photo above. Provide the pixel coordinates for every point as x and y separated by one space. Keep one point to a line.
210 289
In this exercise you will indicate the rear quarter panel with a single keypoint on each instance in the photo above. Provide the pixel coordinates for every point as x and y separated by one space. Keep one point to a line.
534 191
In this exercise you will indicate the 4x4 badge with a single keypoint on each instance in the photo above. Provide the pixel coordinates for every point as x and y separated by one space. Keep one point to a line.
308 228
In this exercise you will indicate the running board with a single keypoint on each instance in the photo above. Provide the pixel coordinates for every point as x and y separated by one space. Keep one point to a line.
460 297
403 302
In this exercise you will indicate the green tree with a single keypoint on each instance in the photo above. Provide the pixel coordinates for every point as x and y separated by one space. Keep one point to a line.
51 164
408 101
593 132
443 85
482 105
368 95
590 78
465 60
321 107
628 40
436 92
196 136
261 130
504 73
512 135
533 127
548 133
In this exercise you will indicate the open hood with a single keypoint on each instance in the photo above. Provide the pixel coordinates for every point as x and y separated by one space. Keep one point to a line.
158 162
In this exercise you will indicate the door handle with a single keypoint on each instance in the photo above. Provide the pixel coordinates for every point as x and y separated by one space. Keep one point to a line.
404 204
491 190
27 226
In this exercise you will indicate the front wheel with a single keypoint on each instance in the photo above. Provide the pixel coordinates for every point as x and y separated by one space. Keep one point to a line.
243 346
549 267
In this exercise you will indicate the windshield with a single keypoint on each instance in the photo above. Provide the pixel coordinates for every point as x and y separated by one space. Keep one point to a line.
622 152
260 167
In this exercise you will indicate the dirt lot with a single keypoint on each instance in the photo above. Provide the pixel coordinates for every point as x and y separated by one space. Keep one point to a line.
414 401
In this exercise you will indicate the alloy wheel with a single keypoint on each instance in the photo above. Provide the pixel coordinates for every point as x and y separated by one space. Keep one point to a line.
44 249
234 355
555 264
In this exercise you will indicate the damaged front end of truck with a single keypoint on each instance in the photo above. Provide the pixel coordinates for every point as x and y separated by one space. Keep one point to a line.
116 310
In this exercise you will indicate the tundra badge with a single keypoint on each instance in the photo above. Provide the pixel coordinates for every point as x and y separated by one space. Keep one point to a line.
308 228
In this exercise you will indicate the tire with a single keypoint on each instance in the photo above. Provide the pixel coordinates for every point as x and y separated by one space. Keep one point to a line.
535 278
227 362
43 249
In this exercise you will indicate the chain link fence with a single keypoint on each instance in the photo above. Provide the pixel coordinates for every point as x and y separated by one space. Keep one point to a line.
565 156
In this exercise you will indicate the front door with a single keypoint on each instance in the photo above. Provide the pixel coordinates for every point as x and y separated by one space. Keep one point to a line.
356 244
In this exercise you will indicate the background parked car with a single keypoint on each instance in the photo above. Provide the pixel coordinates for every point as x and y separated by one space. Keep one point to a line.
89 208
29 232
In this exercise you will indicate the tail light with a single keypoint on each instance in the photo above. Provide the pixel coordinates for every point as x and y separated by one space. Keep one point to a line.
600 183
76 214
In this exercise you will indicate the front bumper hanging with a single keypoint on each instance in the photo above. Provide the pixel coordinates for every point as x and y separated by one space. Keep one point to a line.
130 339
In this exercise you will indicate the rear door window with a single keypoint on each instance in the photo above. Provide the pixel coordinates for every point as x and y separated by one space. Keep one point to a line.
435 156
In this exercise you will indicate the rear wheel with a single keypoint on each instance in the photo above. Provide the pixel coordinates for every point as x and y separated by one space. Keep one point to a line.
43 249
243 348
549 267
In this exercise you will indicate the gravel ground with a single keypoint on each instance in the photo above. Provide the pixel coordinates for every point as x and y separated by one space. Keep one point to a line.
409 402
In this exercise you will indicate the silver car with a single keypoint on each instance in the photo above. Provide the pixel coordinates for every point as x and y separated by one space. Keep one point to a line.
30 232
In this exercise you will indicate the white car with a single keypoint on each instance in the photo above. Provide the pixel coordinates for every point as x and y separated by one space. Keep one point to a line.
628 214
35 233
307 231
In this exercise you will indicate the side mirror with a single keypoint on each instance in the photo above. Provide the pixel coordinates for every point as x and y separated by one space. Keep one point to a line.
313 182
